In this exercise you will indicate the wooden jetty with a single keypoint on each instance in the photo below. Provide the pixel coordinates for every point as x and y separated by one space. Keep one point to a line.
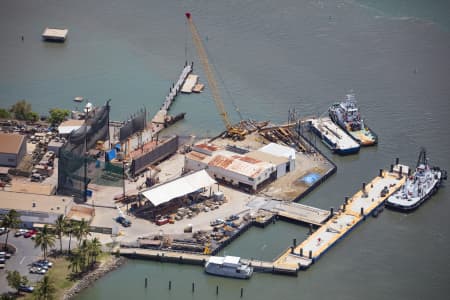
354 210
301 213
200 259
159 120
189 84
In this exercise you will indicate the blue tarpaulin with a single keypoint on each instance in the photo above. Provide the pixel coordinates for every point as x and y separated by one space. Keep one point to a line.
110 155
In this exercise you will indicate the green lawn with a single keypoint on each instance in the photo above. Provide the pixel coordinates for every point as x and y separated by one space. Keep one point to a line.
59 274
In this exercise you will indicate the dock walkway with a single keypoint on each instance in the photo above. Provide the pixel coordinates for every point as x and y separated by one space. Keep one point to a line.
363 203
301 213
157 123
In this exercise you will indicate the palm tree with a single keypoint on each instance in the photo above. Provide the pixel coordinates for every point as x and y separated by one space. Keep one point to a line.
10 220
61 228
95 248
45 289
45 239
69 231
81 230
77 260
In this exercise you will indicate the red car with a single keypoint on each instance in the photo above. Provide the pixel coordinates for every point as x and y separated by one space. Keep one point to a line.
30 233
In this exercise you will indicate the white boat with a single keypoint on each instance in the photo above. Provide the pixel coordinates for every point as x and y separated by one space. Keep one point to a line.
228 266
333 136
346 114
418 187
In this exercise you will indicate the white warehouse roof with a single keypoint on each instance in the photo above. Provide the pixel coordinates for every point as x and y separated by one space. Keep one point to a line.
278 150
179 187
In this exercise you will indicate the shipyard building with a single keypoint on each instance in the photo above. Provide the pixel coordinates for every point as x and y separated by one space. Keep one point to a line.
239 167
13 148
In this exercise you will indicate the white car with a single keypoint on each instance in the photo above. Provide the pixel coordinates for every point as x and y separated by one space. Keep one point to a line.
20 232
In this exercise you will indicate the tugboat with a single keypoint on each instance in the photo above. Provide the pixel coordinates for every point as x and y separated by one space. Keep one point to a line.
346 114
228 266
420 186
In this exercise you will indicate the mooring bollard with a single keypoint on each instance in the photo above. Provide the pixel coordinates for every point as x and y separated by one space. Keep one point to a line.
391 169
397 160
294 242
362 211
381 173
310 254
242 292
170 285
364 187
292 249
301 251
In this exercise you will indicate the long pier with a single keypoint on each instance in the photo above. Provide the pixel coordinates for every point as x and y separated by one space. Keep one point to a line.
364 203
158 121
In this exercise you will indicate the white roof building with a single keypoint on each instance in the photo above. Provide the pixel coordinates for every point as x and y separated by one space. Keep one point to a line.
279 150
179 187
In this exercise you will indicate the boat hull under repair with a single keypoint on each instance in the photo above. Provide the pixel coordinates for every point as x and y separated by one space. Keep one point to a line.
228 266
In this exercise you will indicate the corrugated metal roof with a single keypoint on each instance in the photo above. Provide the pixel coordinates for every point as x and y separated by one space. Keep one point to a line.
278 150
10 142
267 157
179 187
241 165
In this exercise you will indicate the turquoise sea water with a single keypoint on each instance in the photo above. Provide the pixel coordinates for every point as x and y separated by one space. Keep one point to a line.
271 56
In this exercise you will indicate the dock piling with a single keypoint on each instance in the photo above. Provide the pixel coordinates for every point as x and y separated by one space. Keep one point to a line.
381 173
409 172
310 229
217 290
301 251
364 187
362 211
146 282
331 211
170 285
310 254
391 169
346 200
400 171
242 292
397 160
193 287
294 242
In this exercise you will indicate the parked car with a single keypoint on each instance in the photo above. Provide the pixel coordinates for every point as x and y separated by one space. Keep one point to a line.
26 288
125 222
233 218
47 263
217 222
40 265
20 232
37 270
3 230
30 233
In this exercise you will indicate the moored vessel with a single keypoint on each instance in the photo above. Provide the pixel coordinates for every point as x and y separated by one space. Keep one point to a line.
418 187
346 114
333 136
228 266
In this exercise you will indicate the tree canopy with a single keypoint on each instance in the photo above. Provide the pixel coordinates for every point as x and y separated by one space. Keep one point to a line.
57 115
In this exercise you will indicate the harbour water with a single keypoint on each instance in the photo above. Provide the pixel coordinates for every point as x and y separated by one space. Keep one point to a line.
271 56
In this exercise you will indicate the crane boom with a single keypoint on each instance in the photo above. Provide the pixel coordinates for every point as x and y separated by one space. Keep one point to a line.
232 131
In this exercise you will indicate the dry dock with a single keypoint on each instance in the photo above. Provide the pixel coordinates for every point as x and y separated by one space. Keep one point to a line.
365 202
